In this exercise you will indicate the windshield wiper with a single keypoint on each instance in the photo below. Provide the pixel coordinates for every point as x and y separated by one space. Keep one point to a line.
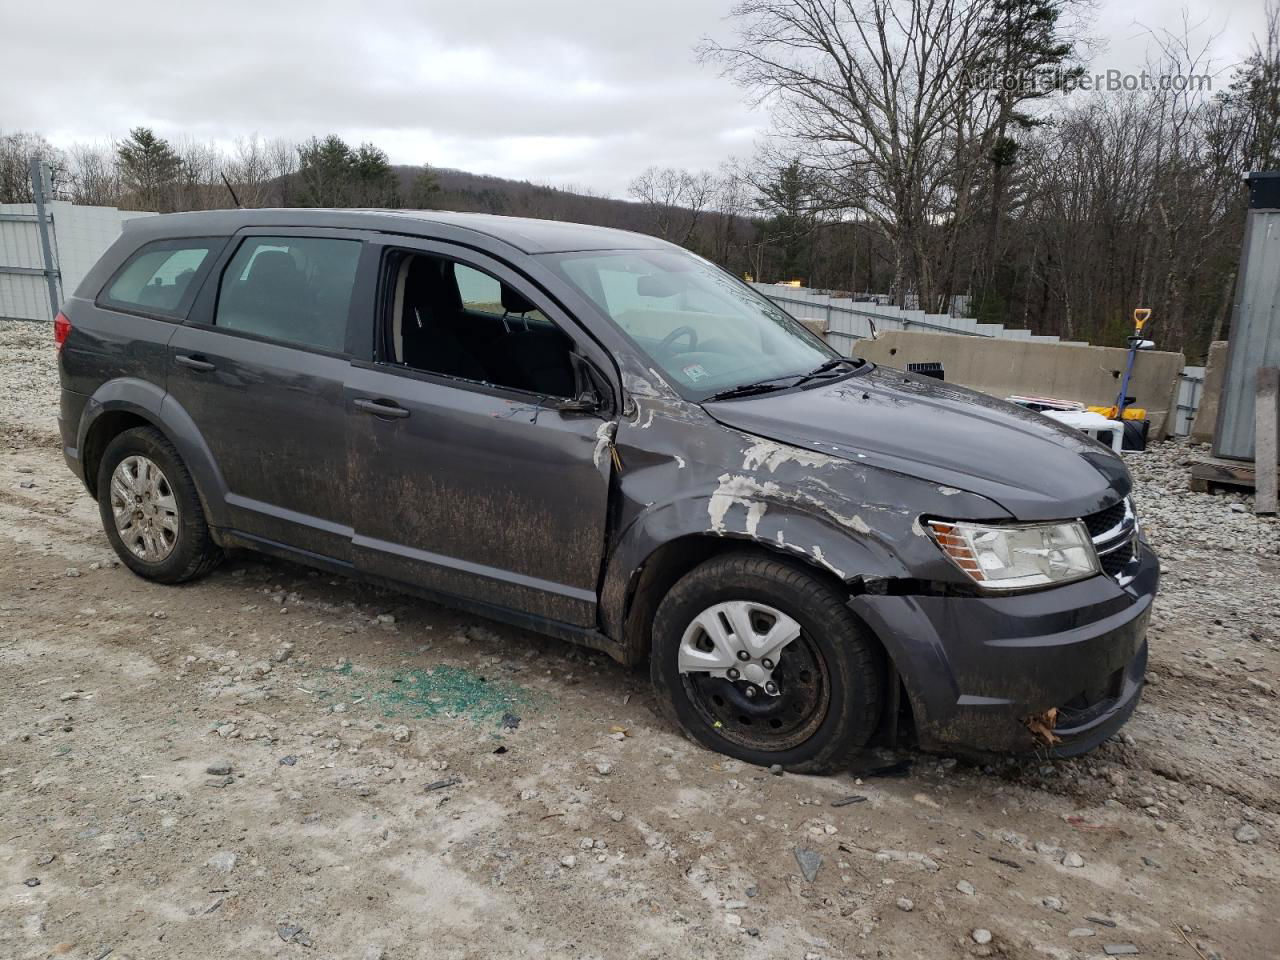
826 368
748 389
775 383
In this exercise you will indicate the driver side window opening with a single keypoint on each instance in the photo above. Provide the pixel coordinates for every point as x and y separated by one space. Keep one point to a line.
452 319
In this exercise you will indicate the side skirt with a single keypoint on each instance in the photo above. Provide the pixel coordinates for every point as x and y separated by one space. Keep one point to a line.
583 636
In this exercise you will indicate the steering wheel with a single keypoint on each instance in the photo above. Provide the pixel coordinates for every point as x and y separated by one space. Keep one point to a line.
686 331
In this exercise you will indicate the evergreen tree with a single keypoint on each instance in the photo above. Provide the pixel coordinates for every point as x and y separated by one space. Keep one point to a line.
324 172
1031 59
374 182
424 192
792 199
332 174
149 169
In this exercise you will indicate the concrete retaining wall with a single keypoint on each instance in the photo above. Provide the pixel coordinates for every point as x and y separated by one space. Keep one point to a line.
1065 371
1206 420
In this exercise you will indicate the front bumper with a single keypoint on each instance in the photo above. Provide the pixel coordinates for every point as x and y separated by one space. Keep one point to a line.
975 668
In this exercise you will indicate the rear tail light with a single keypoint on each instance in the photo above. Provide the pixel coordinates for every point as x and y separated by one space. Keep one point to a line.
61 327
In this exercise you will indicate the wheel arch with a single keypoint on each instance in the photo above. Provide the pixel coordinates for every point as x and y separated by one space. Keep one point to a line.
121 405
656 551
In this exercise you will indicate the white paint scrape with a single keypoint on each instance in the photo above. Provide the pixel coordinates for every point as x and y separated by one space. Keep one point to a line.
745 492
765 454
604 437
817 555
854 523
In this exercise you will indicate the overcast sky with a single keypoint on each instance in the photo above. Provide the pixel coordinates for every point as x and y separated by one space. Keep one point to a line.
571 92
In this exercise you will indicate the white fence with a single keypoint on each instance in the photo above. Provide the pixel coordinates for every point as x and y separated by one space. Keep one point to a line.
849 320
78 237
852 319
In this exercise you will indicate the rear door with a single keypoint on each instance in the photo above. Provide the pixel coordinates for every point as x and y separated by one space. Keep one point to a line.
468 477
260 367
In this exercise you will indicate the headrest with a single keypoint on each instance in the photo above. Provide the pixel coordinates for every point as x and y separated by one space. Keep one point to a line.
274 273
431 284
514 302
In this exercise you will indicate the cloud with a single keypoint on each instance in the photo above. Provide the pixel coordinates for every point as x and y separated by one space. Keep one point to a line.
566 92
562 91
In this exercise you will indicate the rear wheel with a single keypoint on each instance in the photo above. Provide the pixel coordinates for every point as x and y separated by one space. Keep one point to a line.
755 657
150 509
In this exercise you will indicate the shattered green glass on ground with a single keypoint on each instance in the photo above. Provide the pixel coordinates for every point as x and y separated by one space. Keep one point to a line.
448 691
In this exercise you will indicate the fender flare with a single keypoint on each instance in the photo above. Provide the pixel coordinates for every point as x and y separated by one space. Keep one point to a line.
157 407
785 529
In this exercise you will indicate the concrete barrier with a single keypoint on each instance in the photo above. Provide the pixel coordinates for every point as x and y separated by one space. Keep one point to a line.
1065 371
1206 420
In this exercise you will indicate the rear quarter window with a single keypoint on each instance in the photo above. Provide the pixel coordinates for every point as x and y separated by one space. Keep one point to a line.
161 278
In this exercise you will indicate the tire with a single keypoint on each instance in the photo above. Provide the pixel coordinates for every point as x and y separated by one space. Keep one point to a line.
1135 434
172 544
830 678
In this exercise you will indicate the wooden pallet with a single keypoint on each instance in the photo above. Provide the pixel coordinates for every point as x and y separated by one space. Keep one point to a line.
1215 474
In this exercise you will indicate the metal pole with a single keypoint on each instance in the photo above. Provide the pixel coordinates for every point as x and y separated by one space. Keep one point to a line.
39 177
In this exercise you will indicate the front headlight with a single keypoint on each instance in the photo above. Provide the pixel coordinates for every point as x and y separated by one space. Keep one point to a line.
1015 557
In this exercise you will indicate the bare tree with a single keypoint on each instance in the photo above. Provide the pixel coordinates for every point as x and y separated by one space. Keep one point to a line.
94 178
872 93
674 199
17 150
730 206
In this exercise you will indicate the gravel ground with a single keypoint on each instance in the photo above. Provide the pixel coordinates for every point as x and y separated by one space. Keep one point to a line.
272 762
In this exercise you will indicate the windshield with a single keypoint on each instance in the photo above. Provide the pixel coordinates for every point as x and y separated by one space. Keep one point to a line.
705 330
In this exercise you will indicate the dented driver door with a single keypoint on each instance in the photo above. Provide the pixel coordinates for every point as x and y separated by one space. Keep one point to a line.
478 491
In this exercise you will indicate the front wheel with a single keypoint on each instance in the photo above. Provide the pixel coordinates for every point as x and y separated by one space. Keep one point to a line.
755 657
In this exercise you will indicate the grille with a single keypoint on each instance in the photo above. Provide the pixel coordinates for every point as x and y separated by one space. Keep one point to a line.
1113 533
1115 561
1104 520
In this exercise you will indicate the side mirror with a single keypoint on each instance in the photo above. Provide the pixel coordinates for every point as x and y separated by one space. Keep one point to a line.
591 386
588 401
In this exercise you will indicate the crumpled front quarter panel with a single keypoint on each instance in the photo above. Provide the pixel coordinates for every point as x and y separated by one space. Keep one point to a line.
683 473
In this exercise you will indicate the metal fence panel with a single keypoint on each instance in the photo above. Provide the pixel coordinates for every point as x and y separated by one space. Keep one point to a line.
1190 388
79 235
849 319
1255 335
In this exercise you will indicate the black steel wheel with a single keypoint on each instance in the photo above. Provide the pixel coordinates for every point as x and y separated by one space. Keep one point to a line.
756 657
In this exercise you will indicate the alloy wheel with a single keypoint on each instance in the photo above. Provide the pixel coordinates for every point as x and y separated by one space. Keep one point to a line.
145 508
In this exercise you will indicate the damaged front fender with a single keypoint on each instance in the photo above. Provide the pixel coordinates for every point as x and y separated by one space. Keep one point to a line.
685 475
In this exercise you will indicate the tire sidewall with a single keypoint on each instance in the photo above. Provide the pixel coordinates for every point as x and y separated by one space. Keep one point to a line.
149 443
832 638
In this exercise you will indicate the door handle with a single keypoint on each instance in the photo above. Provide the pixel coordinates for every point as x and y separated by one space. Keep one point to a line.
381 408
195 363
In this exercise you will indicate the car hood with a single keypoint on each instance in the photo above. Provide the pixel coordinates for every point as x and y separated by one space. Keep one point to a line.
1033 467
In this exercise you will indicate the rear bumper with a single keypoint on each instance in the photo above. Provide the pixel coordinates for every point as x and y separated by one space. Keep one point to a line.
975 668
70 412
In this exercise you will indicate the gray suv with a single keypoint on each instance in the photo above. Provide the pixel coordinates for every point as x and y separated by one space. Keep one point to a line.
600 436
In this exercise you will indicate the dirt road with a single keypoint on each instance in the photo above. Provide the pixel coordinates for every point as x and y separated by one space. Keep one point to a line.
273 762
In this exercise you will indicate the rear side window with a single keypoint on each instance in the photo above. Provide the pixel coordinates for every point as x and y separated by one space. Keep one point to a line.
293 289
161 278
